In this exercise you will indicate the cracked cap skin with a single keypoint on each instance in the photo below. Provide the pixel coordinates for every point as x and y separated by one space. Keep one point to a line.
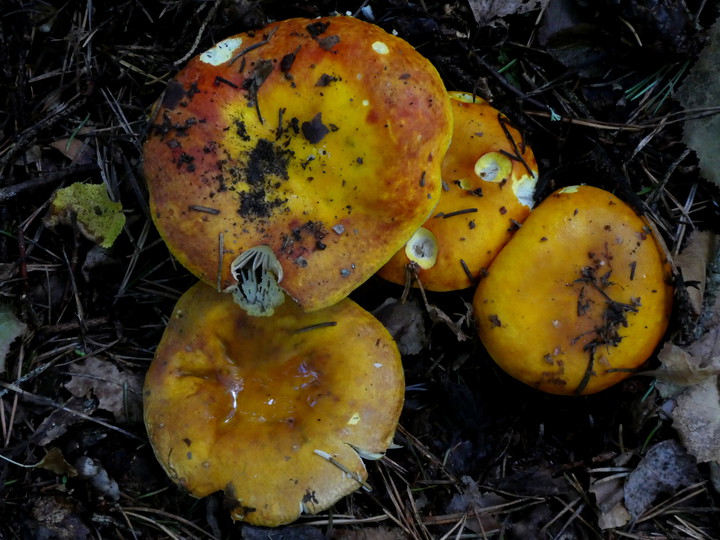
278 411
321 139
579 298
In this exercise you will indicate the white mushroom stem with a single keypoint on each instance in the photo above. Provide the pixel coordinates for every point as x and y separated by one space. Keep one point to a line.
493 167
422 248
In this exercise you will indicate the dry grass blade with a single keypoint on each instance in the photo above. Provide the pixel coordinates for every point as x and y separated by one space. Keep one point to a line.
198 531
481 516
458 526
426 453
690 530
669 119
672 504
342 520
165 530
403 516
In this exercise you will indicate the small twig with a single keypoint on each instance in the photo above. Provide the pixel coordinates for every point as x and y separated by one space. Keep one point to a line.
254 46
22 257
458 213
344 469
23 139
204 209
23 465
221 258
9 192
13 411
204 24
466 269
511 88
315 327
49 402
519 151
157 524
168 515
668 119
3 423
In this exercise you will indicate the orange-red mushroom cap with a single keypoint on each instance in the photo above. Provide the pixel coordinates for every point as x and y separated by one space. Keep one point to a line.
489 175
579 298
275 411
321 140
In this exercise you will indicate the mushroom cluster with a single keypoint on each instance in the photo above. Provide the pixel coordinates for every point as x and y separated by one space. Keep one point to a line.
301 159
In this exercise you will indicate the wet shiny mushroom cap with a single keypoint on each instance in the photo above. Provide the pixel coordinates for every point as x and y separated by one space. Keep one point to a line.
489 175
277 412
311 148
579 298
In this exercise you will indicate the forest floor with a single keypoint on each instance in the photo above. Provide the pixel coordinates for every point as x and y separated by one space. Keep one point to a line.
592 87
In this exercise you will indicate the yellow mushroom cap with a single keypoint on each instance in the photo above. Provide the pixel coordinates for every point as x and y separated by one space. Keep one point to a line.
275 411
489 175
579 298
319 139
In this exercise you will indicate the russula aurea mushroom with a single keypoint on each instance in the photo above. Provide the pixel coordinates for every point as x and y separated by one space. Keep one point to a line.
489 175
311 149
275 411
580 296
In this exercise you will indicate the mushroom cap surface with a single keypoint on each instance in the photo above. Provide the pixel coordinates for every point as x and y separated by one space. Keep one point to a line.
321 139
579 298
489 175
241 404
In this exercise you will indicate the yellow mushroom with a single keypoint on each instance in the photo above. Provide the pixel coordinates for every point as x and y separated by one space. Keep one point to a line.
579 298
489 175
310 149
278 412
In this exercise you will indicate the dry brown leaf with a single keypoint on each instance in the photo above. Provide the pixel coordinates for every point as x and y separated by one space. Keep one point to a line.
11 328
116 391
609 494
693 261
406 323
664 470
54 461
700 89
57 423
715 475
76 150
696 418
57 516
679 368
487 11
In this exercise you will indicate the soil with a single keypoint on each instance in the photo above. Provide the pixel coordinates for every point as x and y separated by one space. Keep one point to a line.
480 455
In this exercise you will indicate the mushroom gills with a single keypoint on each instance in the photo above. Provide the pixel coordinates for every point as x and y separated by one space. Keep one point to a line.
258 274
